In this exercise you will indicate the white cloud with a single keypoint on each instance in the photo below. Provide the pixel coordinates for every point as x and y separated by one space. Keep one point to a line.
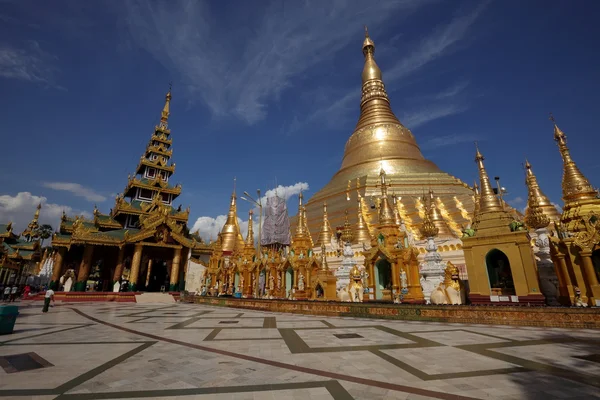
447 140
436 45
432 112
517 200
76 189
29 63
209 227
236 70
19 210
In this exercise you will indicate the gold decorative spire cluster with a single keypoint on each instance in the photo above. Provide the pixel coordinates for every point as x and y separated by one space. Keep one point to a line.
436 217
230 234
33 226
386 214
325 233
575 186
537 201
488 201
347 234
301 225
427 227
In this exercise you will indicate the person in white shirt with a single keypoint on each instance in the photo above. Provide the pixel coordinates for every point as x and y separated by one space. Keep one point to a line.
49 296
6 293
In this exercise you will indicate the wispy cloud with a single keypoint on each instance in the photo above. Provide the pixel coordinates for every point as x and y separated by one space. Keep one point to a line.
76 189
447 140
237 70
29 63
429 113
436 44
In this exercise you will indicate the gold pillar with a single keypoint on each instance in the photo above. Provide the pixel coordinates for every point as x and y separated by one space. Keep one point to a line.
592 286
174 286
149 273
565 287
59 258
120 264
84 268
135 267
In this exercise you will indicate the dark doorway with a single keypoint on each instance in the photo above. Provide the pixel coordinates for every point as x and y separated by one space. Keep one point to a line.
383 277
596 261
499 273
159 276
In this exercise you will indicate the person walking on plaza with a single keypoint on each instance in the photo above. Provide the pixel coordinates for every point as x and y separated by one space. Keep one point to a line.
13 293
49 296
6 292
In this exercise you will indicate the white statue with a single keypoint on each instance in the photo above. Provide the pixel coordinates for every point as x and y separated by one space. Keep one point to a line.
116 287
348 252
403 280
431 269
578 300
343 295
301 282
451 290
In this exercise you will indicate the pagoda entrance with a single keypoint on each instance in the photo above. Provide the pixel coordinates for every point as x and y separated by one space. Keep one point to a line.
383 278
157 276
499 273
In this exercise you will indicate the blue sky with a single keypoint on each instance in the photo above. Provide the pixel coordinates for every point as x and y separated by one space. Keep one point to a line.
269 92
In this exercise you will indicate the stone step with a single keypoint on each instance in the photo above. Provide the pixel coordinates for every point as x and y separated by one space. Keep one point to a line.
154 298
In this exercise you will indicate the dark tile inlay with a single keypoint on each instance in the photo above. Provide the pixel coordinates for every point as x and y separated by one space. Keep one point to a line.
228 322
590 357
23 362
347 335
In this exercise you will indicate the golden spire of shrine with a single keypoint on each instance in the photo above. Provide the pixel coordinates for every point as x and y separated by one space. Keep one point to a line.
575 186
306 227
325 232
250 235
537 200
33 226
488 201
386 214
230 234
166 109
362 229
428 228
324 266
476 198
397 216
435 216
347 234
300 226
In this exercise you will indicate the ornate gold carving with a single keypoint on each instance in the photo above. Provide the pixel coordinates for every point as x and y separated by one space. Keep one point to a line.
587 239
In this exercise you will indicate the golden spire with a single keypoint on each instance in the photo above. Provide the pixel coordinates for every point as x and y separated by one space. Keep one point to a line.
575 185
488 201
347 234
300 227
397 216
428 228
306 227
537 200
362 229
32 228
378 133
324 266
166 109
386 214
325 232
230 234
435 216
250 236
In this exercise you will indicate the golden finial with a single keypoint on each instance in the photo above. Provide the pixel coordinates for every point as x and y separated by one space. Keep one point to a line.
230 233
537 201
368 44
575 186
301 223
326 232
250 236
428 228
488 201
166 109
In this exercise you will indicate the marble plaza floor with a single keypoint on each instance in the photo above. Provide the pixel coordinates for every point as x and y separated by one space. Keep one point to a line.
186 351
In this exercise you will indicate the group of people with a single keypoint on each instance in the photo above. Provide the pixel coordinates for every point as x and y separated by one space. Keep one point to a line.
10 293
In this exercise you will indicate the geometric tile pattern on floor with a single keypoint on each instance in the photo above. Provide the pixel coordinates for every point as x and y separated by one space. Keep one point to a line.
204 352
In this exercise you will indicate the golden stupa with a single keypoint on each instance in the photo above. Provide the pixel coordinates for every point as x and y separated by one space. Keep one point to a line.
381 142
